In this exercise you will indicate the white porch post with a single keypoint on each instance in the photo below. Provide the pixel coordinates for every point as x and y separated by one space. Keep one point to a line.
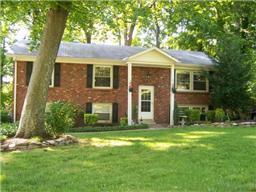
129 101
172 96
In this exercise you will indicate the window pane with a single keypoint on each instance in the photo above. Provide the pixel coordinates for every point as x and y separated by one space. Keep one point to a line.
102 110
102 76
145 94
102 71
199 82
102 81
183 80
103 116
145 106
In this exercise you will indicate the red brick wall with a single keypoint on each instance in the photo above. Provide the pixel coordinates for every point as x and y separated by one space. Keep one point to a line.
160 79
186 98
73 89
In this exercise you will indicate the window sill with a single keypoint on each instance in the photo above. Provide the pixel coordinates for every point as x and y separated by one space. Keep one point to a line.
191 91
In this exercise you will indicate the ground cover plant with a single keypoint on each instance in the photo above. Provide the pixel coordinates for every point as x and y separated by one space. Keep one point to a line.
178 159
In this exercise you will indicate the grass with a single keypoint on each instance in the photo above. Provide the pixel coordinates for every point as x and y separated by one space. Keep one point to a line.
180 159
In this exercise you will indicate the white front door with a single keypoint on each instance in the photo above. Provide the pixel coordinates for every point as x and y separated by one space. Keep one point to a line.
146 102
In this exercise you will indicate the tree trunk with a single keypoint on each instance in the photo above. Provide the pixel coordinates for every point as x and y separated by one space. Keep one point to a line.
157 35
32 117
130 34
88 37
2 62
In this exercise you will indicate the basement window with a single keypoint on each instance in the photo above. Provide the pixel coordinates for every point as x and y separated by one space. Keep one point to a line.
104 112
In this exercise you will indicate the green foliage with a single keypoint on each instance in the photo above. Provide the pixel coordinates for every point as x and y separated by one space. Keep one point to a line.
60 117
5 117
123 121
230 87
8 129
219 114
90 119
193 115
108 128
6 97
210 115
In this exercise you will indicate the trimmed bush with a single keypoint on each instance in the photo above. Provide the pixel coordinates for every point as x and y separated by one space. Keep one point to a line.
90 119
8 129
108 128
60 117
193 115
210 115
219 114
123 121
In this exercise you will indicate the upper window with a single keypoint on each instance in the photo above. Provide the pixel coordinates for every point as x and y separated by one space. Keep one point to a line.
103 76
191 81
199 82
183 80
103 110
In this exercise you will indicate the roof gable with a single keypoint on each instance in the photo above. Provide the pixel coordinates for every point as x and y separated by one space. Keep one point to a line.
152 56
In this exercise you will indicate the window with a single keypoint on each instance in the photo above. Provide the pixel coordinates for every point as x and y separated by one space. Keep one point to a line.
191 81
199 82
183 80
102 76
104 111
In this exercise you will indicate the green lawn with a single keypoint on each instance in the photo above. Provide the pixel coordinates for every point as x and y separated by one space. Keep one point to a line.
180 159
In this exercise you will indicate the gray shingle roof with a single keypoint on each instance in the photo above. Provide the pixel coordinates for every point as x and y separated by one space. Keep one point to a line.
101 51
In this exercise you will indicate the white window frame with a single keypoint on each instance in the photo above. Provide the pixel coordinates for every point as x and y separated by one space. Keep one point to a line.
52 80
111 76
110 111
191 82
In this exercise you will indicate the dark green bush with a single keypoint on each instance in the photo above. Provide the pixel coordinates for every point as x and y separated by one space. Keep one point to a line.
5 117
90 119
8 129
107 128
219 114
60 117
123 121
193 115
210 115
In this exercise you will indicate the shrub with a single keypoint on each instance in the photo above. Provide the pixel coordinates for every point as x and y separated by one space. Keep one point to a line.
8 129
90 119
193 115
60 117
210 115
5 117
219 114
123 121
108 128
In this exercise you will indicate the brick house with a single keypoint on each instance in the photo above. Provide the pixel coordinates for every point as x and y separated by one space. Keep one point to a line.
118 81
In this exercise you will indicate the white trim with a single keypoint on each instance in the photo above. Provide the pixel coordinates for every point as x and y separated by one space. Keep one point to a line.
122 62
172 96
110 112
52 79
111 77
15 92
152 49
191 82
129 98
151 101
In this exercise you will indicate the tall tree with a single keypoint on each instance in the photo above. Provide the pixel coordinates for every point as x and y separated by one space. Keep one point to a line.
32 117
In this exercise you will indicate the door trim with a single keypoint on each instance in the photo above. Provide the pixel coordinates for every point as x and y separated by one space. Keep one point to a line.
152 100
